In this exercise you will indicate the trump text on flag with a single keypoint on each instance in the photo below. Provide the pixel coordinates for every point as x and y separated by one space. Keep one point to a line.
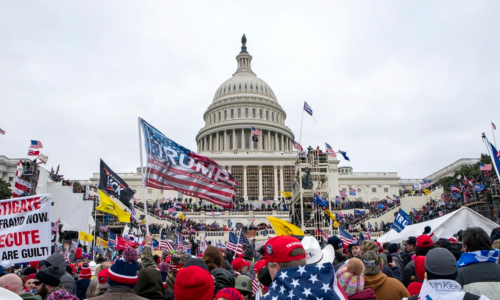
25 230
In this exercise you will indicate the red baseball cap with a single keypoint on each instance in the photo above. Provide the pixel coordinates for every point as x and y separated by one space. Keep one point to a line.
424 241
279 248
259 265
239 263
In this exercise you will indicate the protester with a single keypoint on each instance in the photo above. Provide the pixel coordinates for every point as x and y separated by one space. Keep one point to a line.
409 251
83 283
354 249
338 246
351 279
14 284
243 284
424 245
391 270
384 287
478 269
67 281
150 284
240 266
99 285
445 243
441 269
177 260
416 285
29 282
194 283
48 281
396 257
228 294
122 278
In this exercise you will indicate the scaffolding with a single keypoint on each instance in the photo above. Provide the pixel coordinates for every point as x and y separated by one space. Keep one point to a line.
311 178
30 175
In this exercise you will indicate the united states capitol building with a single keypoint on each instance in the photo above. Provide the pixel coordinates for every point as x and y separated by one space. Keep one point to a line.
263 166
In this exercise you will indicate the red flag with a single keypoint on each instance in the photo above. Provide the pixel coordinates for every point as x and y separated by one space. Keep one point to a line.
33 152
122 244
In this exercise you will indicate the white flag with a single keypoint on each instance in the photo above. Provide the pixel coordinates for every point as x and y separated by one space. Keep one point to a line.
43 158
459 176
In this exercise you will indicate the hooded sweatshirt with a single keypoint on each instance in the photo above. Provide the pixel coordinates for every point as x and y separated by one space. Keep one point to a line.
81 288
67 280
150 284
385 288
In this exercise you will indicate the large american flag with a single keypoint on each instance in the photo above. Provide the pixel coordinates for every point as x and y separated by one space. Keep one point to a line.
256 131
367 235
484 167
171 166
166 246
320 232
297 146
21 187
330 150
36 144
346 237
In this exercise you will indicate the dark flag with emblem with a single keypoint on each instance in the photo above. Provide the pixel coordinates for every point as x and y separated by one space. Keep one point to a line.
114 185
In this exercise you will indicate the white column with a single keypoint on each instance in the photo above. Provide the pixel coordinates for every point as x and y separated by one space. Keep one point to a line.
225 140
234 140
260 142
211 145
243 139
217 146
229 168
261 195
269 141
245 195
282 143
282 184
276 182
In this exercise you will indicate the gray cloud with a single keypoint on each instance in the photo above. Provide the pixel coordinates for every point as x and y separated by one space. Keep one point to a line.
404 87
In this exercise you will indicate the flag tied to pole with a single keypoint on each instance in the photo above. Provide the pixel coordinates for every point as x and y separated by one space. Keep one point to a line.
308 108
255 131
171 166
110 182
330 151
297 146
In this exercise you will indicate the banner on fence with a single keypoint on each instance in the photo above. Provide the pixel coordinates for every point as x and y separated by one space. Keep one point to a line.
25 229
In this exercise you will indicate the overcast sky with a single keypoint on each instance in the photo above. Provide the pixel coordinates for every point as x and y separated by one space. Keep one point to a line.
401 86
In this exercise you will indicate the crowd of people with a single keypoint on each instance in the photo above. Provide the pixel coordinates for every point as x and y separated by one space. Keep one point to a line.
427 266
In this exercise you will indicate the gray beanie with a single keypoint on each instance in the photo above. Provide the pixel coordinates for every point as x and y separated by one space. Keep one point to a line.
439 262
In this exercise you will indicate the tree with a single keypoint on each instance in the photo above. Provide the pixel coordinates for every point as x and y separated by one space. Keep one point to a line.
5 192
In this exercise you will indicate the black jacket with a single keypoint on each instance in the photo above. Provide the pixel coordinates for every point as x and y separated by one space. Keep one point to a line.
223 279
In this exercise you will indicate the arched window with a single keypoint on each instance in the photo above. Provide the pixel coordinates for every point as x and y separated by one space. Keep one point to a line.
224 89
253 112
229 89
245 86
239 112
260 113
225 115
232 113
272 116
220 116
246 112
214 118
240 86
251 86
234 87
267 115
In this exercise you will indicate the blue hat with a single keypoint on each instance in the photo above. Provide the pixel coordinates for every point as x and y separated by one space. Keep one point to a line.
124 270
336 242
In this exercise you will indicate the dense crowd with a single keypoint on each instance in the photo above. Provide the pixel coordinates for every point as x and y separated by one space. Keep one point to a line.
464 266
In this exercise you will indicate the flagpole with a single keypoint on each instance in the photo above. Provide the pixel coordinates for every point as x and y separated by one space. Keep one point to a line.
491 156
142 176
300 137
95 227
493 133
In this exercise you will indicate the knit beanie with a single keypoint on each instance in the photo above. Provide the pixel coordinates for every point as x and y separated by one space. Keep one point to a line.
336 242
28 271
49 276
124 270
194 283
61 295
85 272
30 276
229 293
441 264
196 262
164 268
351 276
428 231
392 248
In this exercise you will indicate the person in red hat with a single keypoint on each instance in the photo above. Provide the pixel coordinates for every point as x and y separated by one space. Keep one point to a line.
424 244
240 266
229 294
284 252
83 282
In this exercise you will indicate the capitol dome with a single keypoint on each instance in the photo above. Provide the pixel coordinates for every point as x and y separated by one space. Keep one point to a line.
240 103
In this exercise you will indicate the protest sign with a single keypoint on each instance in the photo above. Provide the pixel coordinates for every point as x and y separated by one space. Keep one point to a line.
25 229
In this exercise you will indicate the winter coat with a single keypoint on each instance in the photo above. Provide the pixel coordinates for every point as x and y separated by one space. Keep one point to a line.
408 272
398 260
223 279
81 288
386 288
30 296
150 284
78 253
67 280
120 292
481 279
366 294
147 259
449 290
406 256
230 268
452 248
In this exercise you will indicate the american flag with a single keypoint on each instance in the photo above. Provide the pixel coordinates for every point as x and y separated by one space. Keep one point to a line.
111 238
255 286
297 146
33 152
186 246
320 232
171 166
315 281
352 192
220 245
266 201
2 131
232 242
256 131
166 246
454 188
483 167
342 192
308 109
493 126
36 144
103 227
55 226
21 187
330 150
346 237
367 235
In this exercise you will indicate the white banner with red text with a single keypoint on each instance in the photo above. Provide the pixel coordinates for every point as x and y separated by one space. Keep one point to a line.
25 228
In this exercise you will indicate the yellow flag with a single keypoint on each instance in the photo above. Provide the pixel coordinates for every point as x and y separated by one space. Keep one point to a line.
336 224
285 194
109 206
284 228
86 237
102 242
427 192
143 222
329 213
182 217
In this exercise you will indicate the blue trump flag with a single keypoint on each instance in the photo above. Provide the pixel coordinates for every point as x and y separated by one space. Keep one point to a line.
402 219
381 206
318 200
